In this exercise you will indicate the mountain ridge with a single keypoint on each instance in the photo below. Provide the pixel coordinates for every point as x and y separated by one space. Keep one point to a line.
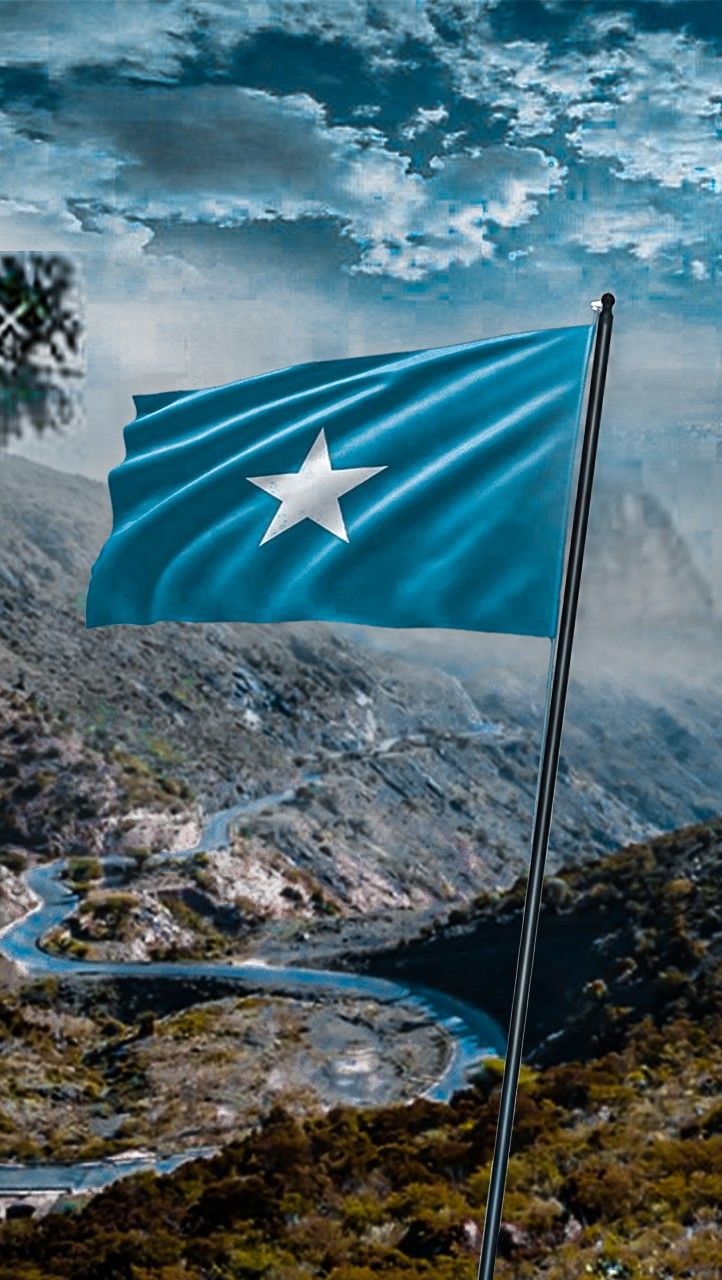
428 771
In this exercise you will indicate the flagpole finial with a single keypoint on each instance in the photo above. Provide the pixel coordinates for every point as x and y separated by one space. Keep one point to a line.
608 300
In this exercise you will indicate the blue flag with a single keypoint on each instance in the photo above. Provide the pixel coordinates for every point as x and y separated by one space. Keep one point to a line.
419 489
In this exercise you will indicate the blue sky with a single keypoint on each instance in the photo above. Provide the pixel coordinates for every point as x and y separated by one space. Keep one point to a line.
249 185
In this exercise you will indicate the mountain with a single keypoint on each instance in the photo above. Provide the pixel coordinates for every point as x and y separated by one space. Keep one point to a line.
618 1129
632 935
640 568
426 762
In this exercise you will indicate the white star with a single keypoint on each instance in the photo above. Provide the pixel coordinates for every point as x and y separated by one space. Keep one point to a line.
313 492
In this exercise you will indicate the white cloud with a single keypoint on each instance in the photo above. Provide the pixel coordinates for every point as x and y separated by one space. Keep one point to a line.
662 120
423 119
227 156
139 35
643 231
220 156
37 181
643 108
149 37
650 106
36 172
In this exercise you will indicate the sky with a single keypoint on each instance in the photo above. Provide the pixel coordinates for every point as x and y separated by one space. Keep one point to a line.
248 185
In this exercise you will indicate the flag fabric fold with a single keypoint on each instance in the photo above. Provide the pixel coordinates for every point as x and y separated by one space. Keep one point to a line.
419 489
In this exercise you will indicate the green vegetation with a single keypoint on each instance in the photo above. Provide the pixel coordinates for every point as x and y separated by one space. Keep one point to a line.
139 853
208 942
80 873
191 1023
51 790
46 1077
147 785
203 879
60 942
14 860
163 750
106 915
323 905
60 797
616 1172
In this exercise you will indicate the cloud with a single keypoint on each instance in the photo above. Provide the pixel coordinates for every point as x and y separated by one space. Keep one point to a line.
224 155
150 126
150 38
644 231
424 119
649 103
139 36
665 126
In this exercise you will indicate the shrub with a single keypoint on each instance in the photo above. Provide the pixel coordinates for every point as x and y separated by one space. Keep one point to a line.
601 1187
81 871
14 859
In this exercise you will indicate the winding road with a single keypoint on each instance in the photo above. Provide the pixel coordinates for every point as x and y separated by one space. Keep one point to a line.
473 1034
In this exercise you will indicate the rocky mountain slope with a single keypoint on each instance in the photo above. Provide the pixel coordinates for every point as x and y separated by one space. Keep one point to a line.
615 1171
425 775
633 934
81 1078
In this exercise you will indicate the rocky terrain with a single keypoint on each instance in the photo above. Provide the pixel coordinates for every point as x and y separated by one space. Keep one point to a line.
615 1171
632 935
387 785
60 796
412 776
94 1070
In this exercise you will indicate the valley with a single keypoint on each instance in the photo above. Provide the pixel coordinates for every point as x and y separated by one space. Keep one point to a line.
244 867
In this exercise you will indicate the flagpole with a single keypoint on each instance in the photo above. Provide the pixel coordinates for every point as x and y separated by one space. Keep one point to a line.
549 761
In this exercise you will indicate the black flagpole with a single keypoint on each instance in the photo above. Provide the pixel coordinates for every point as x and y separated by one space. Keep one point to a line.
545 789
